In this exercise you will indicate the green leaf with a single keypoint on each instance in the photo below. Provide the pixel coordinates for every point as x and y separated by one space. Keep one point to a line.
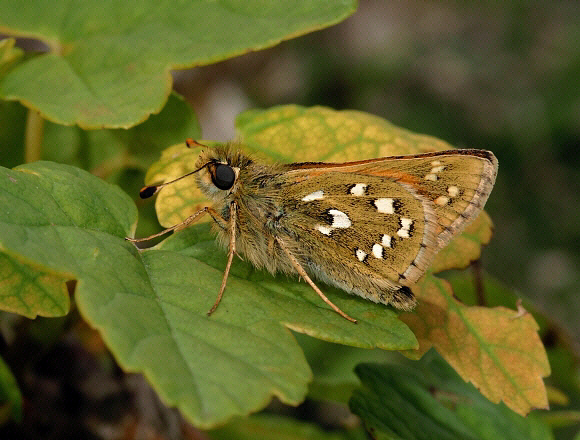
256 294
104 152
333 367
10 397
431 401
43 207
109 62
12 126
271 427
150 306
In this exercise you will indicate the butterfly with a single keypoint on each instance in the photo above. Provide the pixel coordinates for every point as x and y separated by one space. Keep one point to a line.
370 227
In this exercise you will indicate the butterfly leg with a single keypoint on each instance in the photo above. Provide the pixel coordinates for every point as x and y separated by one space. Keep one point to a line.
185 223
231 252
304 275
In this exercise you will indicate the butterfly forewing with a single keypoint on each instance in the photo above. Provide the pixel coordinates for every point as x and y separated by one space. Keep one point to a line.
376 229
386 217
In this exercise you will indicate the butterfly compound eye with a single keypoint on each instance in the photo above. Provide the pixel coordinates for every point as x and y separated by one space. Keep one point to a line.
224 176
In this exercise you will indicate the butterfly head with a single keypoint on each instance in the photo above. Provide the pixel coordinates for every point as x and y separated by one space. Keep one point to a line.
219 171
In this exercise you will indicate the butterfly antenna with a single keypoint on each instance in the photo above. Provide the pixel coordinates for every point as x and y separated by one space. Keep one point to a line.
148 191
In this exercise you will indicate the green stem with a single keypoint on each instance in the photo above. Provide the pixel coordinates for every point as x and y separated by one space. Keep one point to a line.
33 136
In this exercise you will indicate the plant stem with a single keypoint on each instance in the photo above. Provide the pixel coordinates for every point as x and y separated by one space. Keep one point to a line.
33 136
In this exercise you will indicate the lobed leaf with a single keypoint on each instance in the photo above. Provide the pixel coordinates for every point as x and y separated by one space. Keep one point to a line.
293 133
150 306
105 153
109 63
430 401
169 288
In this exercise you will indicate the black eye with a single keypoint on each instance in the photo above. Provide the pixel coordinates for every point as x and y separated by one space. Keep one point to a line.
224 176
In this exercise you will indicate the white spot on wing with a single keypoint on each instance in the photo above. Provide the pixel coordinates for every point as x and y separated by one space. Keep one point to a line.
438 169
361 255
359 189
406 224
435 163
442 200
386 241
453 191
339 219
431 176
316 195
378 251
385 205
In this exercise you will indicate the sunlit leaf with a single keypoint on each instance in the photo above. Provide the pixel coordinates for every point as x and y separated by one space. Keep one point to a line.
496 349
109 62
288 134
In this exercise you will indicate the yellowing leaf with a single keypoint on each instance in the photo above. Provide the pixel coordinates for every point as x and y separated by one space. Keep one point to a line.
31 290
497 350
179 200
466 247
292 133
289 133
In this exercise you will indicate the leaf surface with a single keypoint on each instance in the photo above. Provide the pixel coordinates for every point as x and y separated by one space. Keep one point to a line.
289 133
272 427
151 306
495 348
31 290
430 401
482 344
109 62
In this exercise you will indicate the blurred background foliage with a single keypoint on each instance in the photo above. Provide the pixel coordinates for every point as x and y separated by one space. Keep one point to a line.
503 76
